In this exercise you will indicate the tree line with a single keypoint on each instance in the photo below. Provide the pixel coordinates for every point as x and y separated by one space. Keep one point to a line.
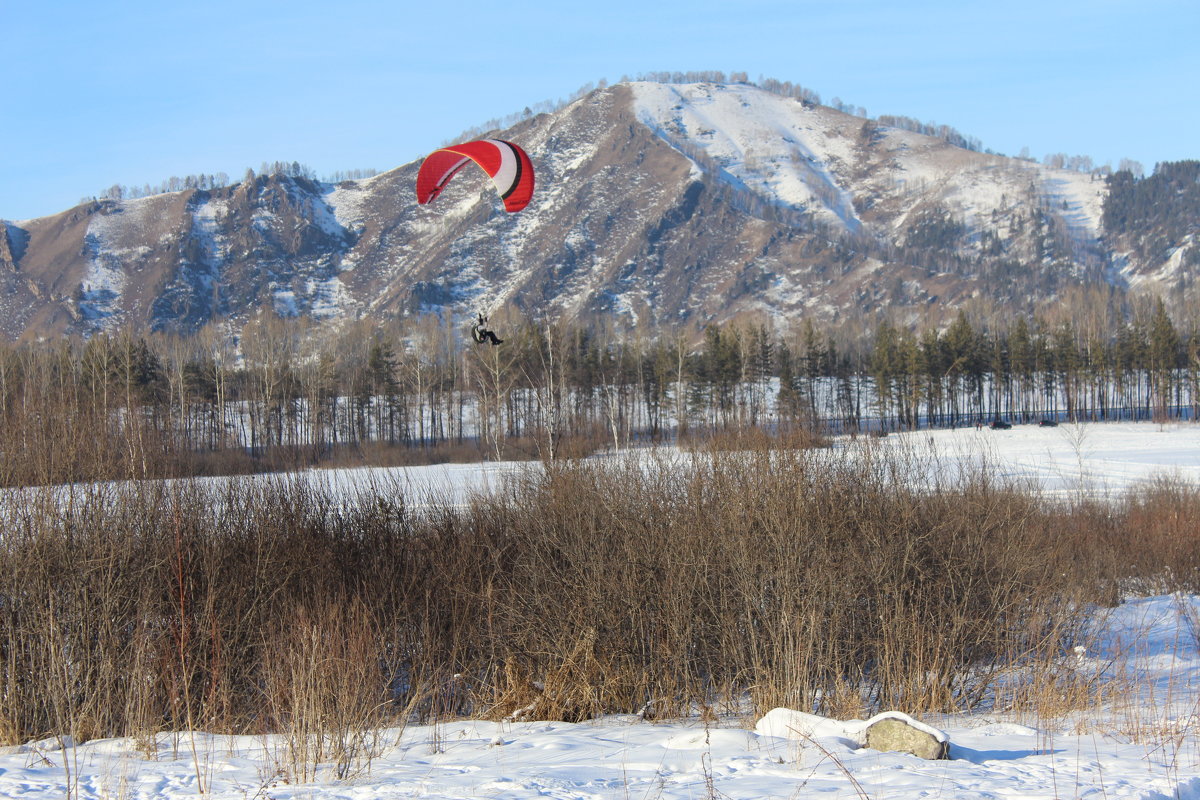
283 392
219 180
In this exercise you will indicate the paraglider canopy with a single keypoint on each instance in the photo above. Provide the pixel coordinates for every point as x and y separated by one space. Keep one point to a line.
507 164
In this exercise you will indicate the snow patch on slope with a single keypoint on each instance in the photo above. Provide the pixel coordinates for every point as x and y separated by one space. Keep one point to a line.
102 286
328 298
1172 270
1079 198
114 237
772 145
18 239
347 205
213 247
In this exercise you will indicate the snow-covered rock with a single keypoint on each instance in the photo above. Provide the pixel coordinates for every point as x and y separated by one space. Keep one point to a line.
889 730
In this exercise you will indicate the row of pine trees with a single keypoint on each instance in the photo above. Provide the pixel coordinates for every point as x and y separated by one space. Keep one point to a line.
283 386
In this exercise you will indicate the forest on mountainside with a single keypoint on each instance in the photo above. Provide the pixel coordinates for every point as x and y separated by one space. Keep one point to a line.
1156 214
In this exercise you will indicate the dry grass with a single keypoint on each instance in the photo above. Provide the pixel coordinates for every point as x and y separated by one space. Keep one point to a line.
324 691
807 577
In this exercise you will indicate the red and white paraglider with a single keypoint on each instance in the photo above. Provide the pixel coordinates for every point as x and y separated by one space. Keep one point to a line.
507 164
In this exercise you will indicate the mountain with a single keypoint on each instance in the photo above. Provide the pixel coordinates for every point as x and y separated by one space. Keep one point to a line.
656 204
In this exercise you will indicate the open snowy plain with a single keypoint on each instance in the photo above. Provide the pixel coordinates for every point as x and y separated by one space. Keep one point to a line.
1094 459
1141 742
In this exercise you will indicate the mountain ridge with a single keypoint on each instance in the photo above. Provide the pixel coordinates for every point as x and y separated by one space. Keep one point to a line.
656 204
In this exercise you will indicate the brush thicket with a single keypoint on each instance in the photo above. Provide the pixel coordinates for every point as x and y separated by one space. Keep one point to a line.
766 575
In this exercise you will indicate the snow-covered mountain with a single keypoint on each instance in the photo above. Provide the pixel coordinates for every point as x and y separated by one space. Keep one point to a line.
655 203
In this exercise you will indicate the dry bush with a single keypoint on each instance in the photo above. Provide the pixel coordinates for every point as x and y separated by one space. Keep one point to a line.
383 454
135 608
753 438
579 442
1161 546
817 578
788 573
577 683
323 690
68 638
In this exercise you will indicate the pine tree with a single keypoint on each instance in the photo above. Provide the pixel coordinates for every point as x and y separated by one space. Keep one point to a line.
1163 359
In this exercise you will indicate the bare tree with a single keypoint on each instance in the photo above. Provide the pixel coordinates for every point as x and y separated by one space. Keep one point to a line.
495 372
269 345
549 384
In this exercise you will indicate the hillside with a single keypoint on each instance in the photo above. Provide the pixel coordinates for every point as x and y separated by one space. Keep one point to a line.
656 204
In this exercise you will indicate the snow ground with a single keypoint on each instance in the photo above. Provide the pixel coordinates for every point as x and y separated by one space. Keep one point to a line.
1093 459
1142 744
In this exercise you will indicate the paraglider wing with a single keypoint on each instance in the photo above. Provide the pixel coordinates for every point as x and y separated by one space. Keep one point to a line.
507 164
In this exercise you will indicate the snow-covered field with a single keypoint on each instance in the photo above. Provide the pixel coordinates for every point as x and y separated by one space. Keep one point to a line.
1142 742
1095 459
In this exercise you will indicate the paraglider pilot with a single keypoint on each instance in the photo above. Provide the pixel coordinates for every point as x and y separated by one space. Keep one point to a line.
481 334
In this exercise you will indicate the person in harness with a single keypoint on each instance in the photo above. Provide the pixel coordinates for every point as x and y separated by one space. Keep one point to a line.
481 334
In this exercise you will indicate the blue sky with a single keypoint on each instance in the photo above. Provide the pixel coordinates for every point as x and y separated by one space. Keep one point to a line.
96 94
